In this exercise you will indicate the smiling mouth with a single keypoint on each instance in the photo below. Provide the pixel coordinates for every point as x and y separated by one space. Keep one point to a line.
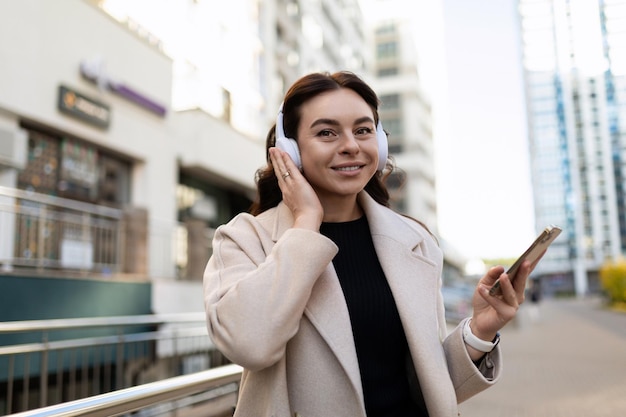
352 168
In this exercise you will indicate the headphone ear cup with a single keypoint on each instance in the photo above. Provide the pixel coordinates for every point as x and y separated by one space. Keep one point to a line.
383 146
291 147
284 143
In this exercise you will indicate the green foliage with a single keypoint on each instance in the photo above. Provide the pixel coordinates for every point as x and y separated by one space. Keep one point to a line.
505 262
613 280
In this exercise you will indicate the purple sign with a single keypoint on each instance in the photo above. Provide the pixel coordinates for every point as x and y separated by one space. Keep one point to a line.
94 71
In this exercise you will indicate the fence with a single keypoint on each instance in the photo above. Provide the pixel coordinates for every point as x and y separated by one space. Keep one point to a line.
46 362
44 233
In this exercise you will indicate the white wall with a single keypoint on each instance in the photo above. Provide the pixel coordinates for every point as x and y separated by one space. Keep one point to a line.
201 138
42 44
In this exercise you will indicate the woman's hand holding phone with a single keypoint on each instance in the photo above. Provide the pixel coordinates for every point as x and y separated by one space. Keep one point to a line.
491 314
298 194
499 294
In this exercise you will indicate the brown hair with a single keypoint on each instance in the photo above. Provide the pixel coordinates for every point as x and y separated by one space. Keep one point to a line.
306 88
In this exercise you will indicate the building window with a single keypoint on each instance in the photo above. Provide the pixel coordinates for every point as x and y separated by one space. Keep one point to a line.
386 29
74 169
41 173
387 72
387 50
393 127
113 181
390 102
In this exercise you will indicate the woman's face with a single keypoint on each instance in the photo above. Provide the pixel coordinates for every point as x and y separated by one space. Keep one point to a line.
337 141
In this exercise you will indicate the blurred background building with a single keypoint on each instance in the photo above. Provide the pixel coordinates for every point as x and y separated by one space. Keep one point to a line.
575 65
406 113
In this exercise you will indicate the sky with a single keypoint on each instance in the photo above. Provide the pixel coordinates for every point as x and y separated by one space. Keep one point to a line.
483 178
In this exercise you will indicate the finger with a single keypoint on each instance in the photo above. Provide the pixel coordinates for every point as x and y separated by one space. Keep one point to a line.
284 167
499 304
278 162
492 275
504 312
510 294
289 164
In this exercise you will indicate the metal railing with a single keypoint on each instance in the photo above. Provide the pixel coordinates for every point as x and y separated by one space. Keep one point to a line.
47 232
43 234
217 389
46 362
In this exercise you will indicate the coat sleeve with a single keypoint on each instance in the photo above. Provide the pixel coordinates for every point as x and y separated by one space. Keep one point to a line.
467 378
255 291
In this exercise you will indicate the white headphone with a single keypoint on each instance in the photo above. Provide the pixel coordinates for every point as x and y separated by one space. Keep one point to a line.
290 145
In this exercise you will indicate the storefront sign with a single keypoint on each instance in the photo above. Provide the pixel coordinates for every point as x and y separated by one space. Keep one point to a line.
85 108
93 70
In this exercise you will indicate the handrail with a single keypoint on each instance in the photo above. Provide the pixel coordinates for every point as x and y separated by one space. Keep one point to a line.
56 324
134 398
104 340
61 202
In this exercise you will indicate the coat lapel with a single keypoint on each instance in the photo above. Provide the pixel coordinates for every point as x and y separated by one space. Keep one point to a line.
411 271
327 310
411 263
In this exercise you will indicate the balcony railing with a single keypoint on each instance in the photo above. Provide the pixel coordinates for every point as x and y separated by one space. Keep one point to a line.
47 234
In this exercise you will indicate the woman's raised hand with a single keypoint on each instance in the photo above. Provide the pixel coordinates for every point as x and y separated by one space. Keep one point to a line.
298 194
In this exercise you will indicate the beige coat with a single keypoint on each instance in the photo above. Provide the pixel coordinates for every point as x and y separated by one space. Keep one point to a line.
274 306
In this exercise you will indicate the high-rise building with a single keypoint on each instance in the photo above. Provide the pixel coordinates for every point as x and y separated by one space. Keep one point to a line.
575 73
407 115
301 36
406 108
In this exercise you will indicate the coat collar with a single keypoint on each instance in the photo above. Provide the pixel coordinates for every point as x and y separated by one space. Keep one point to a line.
382 221
409 267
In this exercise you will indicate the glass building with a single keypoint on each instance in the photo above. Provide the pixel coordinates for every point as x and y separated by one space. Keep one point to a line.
574 55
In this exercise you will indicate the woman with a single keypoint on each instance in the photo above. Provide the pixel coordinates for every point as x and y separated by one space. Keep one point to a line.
328 299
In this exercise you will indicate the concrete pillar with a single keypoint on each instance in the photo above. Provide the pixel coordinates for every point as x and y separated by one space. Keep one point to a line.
198 249
8 218
581 283
135 250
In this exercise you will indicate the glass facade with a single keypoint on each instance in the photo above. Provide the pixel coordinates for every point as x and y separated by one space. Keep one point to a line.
574 57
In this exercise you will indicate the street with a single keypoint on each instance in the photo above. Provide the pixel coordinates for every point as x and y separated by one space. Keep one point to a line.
570 361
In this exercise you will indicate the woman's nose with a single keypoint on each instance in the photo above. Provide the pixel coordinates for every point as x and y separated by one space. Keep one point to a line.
349 143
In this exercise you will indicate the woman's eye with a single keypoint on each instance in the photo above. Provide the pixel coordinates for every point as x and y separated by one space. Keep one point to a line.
325 133
364 131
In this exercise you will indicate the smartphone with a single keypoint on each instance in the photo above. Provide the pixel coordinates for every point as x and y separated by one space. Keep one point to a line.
534 251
